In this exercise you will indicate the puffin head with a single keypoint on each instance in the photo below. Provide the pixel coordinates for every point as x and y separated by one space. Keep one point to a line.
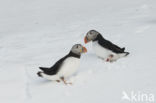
78 49
91 35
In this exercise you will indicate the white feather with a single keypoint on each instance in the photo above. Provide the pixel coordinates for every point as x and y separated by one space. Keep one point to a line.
105 53
68 68
50 77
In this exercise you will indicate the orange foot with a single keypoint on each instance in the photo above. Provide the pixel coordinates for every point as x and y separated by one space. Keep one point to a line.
109 58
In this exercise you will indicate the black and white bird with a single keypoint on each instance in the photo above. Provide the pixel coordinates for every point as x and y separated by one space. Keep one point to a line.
103 48
64 67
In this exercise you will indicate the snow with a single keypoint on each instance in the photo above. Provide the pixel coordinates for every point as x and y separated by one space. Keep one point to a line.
37 33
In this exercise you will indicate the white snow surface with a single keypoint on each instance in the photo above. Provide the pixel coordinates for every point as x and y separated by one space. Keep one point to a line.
37 33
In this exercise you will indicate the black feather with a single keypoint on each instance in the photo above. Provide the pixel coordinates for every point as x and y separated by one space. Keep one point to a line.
123 49
43 68
56 67
108 45
39 74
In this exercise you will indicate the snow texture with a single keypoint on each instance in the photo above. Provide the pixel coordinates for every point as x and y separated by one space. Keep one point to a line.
37 33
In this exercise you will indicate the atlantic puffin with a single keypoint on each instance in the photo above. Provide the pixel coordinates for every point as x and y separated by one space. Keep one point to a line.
103 48
64 67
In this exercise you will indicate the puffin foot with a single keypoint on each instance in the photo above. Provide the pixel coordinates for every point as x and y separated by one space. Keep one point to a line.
109 59
58 81
64 81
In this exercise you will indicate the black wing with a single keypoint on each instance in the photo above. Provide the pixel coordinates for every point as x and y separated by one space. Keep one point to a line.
55 68
109 45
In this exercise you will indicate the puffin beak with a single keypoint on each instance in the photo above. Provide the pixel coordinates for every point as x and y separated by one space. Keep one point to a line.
85 40
84 50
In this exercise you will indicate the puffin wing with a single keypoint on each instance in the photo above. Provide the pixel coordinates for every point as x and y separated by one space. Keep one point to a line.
55 68
109 45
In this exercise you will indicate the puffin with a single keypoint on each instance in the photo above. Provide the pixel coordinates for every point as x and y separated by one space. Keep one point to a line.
104 48
64 67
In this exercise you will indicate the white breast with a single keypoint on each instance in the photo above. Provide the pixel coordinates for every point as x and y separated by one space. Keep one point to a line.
101 51
69 67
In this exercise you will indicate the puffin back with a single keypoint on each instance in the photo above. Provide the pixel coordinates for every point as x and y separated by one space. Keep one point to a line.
109 45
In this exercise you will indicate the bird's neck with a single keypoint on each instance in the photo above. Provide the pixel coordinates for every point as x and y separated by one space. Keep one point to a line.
74 54
98 37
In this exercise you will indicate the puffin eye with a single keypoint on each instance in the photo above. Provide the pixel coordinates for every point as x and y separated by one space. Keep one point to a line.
91 32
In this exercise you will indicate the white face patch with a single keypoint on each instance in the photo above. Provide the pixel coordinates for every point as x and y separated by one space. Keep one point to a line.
91 36
77 49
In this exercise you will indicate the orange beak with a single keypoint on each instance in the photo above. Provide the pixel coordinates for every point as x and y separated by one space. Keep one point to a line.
85 40
84 49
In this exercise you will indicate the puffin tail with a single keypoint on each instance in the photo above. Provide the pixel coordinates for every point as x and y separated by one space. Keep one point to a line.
40 74
127 53
123 49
